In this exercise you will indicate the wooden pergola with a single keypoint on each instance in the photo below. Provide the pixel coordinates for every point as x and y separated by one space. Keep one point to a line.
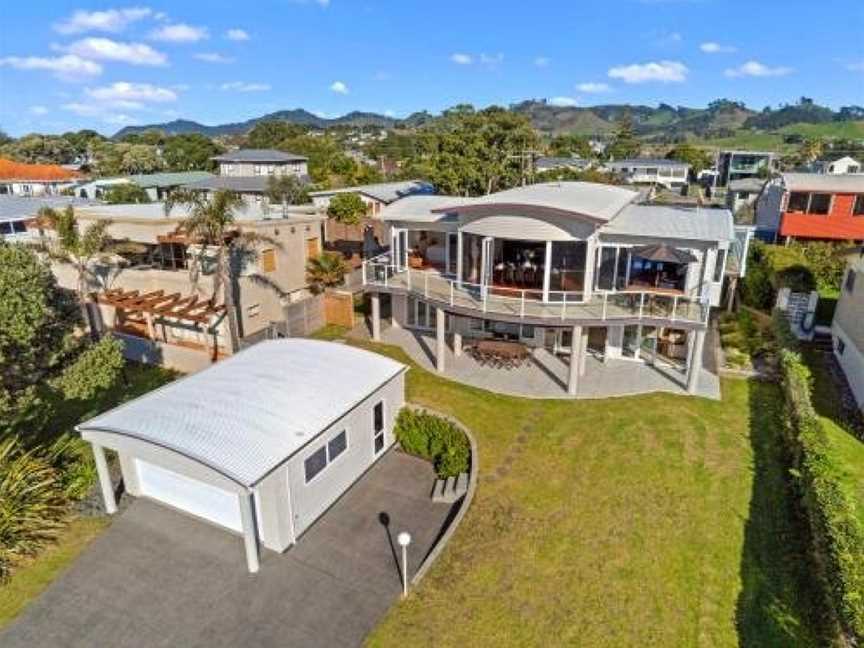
156 303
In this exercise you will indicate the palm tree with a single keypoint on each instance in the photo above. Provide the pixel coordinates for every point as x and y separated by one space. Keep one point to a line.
78 249
211 222
328 269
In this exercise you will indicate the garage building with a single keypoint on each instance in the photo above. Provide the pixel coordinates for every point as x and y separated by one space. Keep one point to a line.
261 443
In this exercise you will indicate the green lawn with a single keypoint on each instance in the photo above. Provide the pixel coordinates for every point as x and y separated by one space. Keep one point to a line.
653 520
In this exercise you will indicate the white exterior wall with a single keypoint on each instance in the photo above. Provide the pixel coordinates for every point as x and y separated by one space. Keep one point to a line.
308 501
769 207
246 169
851 361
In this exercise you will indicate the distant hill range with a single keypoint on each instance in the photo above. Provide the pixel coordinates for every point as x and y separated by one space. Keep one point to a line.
662 123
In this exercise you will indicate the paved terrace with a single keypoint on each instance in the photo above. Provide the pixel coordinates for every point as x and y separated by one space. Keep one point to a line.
545 376
157 577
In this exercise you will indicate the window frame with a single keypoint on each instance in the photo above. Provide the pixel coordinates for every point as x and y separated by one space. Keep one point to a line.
828 206
330 457
307 478
376 433
858 205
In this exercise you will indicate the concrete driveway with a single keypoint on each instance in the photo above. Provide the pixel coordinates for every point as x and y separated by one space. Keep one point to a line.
160 578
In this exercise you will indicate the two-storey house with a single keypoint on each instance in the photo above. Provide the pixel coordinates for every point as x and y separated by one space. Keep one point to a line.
847 329
737 165
812 206
571 268
666 173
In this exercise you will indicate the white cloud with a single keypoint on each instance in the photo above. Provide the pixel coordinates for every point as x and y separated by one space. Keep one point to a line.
563 102
492 59
125 93
180 33
213 57
856 67
66 68
592 87
38 110
662 71
105 49
243 86
716 48
542 61
339 87
462 59
112 20
757 69
389 113
237 35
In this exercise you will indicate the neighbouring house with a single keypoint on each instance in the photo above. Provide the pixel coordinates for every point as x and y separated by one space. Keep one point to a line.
350 240
571 268
21 179
374 196
743 193
550 163
156 185
146 292
812 206
261 444
837 167
847 329
248 171
736 165
667 173
17 213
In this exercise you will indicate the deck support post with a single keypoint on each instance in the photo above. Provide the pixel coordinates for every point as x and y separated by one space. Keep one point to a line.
694 366
104 479
250 535
440 335
730 301
376 317
583 351
575 360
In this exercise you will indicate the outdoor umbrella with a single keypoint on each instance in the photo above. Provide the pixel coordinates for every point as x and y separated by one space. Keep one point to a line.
664 253
370 245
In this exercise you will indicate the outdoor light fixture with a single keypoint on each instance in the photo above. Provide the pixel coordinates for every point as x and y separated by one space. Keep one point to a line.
404 539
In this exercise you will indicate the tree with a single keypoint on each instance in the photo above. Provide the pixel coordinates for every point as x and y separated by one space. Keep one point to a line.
139 158
471 153
190 152
78 249
286 190
126 193
326 270
346 208
97 368
624 142
271 133
42 149
37 323
569 145
212 223
696 158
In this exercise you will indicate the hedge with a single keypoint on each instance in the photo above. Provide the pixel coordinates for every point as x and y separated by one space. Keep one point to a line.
838 535
435 439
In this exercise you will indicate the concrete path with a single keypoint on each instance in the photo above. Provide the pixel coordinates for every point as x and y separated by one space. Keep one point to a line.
545 376
160 578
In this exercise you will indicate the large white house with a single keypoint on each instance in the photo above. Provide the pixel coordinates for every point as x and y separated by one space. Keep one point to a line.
569 267
838 167
666 173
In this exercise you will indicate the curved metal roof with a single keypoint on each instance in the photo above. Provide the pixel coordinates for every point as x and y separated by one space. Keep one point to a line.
246 415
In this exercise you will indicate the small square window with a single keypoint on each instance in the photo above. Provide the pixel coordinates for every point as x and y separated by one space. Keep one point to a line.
798 201
858 207
820 204
315 463
253 311
337 445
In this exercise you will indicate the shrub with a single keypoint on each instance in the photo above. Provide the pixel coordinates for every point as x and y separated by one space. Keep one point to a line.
838 534
126 193
435 439
32 505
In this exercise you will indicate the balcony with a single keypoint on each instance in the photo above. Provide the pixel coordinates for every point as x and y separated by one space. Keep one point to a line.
624 306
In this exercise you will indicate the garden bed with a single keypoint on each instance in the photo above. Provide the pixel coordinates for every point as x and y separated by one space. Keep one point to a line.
748 344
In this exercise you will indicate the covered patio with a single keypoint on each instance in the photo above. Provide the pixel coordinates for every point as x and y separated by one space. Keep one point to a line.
546 375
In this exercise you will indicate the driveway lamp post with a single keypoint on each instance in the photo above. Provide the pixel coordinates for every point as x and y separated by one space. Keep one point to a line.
404 539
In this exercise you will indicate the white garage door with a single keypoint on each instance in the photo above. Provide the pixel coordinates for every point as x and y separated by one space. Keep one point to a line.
190 495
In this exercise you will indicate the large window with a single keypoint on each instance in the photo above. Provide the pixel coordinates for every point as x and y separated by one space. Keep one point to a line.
568 268
858 207
820 204
337 445
606 267
798 201
718 266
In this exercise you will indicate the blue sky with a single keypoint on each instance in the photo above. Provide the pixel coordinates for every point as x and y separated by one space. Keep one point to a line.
67 65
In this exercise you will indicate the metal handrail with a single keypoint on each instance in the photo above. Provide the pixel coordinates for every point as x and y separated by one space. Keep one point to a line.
564 298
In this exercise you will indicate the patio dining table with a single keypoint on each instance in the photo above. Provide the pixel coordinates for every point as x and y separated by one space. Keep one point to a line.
498 353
